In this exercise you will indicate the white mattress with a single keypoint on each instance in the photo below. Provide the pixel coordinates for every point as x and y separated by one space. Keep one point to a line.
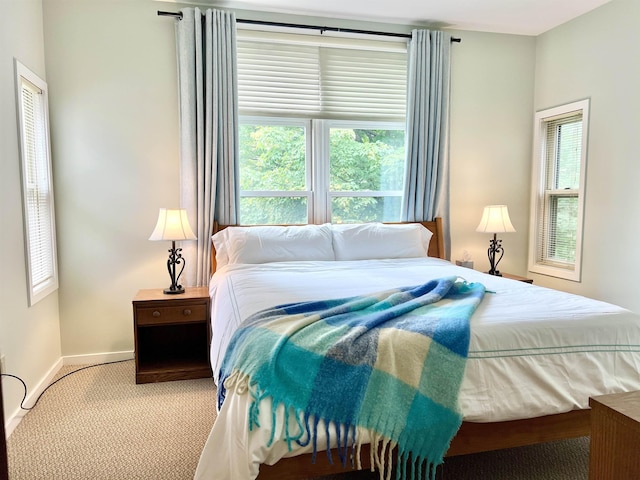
533 351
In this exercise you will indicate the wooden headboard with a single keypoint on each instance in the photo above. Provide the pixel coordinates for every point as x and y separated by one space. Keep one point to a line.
436 245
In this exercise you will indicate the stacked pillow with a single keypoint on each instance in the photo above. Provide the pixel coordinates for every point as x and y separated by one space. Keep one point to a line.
273 244
263 244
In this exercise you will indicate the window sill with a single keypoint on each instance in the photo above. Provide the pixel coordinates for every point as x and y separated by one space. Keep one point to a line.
562 273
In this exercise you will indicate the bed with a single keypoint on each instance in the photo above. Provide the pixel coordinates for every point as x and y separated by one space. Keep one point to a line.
535 356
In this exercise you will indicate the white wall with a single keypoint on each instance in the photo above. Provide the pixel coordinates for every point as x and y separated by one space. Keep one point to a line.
29 337
112 80
491 124
595 56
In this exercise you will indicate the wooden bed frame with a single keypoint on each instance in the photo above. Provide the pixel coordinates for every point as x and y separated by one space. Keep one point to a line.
471 438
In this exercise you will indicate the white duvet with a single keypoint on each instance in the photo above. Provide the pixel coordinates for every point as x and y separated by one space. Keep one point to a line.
533 351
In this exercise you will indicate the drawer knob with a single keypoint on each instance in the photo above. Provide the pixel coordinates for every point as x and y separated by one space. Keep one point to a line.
187 311
156 313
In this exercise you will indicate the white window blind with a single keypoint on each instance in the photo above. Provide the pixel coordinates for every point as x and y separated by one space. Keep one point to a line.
560 201
300 78
364 84
275 78
37 185
560 192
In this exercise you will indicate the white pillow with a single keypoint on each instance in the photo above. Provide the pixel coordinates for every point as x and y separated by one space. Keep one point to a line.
376 240
220 241
273 244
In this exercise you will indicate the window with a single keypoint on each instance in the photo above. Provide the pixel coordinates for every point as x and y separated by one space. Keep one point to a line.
37 189
275 171
560 147
357 175
321 128
366 172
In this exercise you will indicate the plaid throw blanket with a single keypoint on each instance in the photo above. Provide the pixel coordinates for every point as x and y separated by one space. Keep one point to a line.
389 363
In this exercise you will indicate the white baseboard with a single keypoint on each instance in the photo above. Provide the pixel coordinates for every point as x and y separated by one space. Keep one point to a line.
94 358
32 395
34 392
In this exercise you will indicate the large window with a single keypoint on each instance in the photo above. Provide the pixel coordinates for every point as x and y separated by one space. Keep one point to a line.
37 190
350 172
558 187
321 129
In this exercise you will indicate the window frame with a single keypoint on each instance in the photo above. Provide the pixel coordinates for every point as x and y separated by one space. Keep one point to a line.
32 221
542 197
317 163
287 122
325 126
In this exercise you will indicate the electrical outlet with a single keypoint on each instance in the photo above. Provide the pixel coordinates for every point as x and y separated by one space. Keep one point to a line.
2 366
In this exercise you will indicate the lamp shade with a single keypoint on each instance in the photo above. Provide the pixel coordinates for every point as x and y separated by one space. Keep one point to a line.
173 224
495 219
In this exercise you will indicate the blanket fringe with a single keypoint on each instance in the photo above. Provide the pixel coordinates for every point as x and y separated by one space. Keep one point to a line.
237 382
380 455
302 429
410 467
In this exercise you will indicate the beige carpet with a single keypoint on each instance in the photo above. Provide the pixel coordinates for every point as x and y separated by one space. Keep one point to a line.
98 424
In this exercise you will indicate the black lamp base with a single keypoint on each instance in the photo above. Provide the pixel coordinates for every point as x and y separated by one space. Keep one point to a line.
175 258
173 291
495 253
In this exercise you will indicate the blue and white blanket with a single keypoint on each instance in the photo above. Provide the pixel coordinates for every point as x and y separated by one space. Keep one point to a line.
390 364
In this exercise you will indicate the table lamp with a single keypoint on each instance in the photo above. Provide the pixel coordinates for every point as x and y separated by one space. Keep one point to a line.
173 225
495 219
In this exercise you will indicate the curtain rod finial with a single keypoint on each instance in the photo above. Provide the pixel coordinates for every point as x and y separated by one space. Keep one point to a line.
177 15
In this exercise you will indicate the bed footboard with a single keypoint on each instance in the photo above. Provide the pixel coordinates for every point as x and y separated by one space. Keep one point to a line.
471 438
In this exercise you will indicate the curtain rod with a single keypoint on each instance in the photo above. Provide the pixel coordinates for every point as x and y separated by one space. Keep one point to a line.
308 27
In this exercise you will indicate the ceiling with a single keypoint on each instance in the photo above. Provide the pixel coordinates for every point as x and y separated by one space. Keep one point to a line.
523 17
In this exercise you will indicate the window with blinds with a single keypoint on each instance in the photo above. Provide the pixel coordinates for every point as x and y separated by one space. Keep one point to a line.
37 190
321 128
559 167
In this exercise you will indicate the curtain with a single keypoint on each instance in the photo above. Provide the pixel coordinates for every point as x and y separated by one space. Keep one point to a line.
207 82
426 189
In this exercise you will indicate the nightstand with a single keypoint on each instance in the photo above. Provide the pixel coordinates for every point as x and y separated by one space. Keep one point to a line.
517 277
172 335
615 433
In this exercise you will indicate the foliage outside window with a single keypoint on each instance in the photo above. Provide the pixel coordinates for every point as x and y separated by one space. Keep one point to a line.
352 173
37 186
559 176
275 185
321 129
366 173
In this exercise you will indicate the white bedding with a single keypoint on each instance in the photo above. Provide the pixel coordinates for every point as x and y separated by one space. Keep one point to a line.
533 351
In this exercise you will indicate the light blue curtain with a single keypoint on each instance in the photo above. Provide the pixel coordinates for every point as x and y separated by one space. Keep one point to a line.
207 77
426 189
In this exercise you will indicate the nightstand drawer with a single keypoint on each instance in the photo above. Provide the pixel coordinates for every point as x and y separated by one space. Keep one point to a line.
179 314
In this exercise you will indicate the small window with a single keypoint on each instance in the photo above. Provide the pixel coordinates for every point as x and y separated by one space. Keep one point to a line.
366 171
37 186
560 148
275 173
